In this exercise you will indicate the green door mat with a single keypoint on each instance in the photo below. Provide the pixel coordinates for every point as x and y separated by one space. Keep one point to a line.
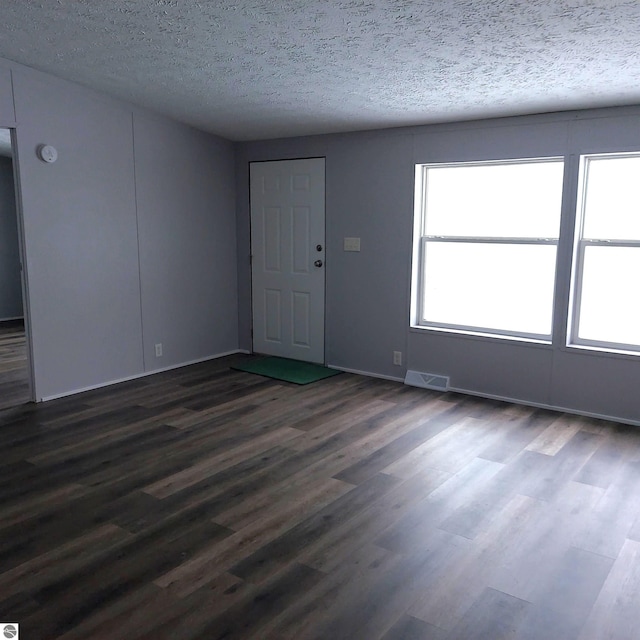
287 370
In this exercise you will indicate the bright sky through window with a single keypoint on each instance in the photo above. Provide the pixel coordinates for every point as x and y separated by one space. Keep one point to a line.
488 246
607 305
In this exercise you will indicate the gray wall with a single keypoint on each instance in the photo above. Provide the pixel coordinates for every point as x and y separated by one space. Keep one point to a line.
370 195
7 112
122 235
10 281
187 254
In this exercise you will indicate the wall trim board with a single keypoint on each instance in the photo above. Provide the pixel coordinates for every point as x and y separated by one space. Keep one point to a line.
489 396
541 405
461 334
368 374
140 375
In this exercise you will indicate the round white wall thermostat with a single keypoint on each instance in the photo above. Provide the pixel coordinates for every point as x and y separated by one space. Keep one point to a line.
47 153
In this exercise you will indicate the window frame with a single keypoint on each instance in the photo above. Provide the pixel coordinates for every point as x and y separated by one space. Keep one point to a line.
420 246
580 245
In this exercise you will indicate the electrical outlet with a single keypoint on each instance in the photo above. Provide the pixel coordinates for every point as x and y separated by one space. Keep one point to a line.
397 357
352 244
158 350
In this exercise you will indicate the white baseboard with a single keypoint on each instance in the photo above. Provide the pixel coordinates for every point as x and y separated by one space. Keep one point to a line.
369 374
139 375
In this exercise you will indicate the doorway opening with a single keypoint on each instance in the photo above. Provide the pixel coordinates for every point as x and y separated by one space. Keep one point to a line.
15 376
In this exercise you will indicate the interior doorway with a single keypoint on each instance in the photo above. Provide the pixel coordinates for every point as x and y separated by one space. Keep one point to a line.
15 379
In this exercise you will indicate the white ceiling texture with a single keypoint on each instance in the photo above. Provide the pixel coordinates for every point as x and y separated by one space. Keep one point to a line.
255 69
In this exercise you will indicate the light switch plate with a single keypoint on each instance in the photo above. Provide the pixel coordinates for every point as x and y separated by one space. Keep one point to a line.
352 244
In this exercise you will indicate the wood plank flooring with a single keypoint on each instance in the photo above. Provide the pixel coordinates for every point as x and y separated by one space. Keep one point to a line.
14 382
206 503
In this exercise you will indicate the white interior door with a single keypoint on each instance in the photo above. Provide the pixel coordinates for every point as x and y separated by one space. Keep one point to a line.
288 254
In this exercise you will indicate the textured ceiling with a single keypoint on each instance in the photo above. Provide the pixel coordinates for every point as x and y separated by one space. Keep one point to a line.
253 69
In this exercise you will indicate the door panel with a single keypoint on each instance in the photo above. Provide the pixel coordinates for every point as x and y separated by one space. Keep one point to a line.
287 226
301 242
272 315
272 240
301 320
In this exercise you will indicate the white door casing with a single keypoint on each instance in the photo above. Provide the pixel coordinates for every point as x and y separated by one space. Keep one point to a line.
287 267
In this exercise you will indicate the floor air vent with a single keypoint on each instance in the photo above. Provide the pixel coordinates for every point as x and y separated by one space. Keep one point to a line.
427 380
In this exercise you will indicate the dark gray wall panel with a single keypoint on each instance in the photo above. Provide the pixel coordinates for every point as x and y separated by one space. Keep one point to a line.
489 367
7 113
605 130
187 224
370 196
80 236
596 383
491 140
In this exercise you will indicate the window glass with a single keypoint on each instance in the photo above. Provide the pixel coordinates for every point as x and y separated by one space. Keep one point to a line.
610 307
488 246
494 200
612 206
497 286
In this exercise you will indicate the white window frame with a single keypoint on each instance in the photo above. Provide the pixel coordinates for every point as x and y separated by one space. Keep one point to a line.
420 252
580 244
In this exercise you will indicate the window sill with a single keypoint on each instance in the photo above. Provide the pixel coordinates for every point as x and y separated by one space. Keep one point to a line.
603 351
479 335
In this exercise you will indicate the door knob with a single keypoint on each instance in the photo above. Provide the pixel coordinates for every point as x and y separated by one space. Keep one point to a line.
318 263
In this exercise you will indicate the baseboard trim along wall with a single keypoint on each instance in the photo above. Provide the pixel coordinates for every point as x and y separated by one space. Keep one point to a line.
366 373
539 405
489 396
140 375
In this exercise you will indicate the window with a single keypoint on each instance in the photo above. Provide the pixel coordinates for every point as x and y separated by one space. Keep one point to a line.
606 303
487 236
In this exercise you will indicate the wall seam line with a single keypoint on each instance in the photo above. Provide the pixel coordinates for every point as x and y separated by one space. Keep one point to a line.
135 199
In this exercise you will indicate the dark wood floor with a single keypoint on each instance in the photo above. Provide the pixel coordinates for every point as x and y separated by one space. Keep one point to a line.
207 503
14 382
